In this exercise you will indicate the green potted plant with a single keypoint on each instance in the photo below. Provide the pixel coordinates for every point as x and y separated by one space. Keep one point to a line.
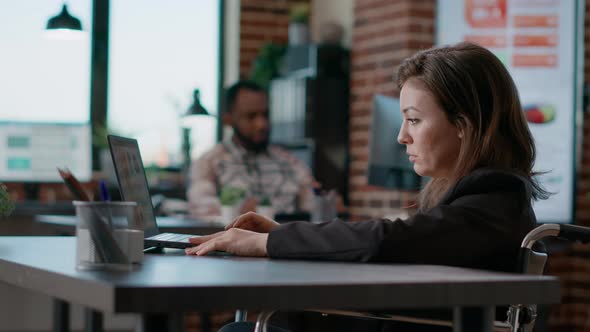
230 199
267 64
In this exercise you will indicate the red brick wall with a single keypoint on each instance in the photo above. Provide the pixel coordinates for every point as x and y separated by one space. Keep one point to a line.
262 21
583 176
384 33
573 264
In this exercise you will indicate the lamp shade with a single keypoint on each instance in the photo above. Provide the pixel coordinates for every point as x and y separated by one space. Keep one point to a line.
64 21
196 108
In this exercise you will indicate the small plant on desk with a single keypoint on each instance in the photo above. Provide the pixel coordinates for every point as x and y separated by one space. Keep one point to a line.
265 201
230 199
231 195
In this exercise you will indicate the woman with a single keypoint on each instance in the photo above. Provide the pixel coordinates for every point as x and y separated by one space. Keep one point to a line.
465 129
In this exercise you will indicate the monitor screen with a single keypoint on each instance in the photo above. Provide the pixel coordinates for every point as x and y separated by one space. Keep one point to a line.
389 166
303 151
31 152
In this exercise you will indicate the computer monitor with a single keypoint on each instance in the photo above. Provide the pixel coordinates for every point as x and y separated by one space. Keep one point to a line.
389 166
303 150
31 151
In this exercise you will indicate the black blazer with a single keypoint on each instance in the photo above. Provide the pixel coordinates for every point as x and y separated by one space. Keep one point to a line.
479 223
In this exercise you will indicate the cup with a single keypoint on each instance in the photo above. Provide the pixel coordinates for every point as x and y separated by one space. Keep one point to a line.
108 236
324 207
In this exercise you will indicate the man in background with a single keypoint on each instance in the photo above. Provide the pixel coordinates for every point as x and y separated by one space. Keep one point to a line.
246 161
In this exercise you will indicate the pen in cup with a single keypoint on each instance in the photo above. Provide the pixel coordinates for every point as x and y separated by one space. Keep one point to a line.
108 250
105 197
104 192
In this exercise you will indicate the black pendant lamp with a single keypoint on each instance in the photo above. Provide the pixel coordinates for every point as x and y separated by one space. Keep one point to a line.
196 108
64 21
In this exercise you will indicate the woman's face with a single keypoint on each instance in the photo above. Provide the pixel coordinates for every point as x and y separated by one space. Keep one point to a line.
431 141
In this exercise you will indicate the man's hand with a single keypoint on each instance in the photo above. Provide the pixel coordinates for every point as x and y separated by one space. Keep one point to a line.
252 221
236 241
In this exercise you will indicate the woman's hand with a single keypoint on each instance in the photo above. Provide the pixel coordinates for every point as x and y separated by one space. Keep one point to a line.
236 241
253 222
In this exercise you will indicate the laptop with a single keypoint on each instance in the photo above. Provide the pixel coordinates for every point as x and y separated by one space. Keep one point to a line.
134 187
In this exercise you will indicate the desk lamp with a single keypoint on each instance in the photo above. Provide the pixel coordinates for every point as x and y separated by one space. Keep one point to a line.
195 110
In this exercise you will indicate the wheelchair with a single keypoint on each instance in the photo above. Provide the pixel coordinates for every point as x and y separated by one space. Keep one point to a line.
520 317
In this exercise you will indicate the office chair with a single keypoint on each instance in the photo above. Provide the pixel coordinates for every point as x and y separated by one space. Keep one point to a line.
520 318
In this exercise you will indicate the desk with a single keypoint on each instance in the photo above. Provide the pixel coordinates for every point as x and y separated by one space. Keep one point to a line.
176 283
67 224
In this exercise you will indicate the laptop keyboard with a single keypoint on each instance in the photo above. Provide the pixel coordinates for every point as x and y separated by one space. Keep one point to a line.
172 237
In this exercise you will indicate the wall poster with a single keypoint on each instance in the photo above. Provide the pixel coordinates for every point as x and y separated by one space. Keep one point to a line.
541 44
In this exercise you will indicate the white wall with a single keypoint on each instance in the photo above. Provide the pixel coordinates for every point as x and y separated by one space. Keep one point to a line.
232 42
340 11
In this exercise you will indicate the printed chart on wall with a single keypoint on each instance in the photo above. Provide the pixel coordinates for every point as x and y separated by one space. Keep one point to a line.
537 40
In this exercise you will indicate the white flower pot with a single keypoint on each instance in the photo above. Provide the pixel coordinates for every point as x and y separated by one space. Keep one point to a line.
228 214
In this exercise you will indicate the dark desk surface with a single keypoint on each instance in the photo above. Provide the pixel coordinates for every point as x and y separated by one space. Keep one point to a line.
175 283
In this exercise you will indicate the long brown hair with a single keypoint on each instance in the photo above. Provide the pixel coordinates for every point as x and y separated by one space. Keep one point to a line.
478 96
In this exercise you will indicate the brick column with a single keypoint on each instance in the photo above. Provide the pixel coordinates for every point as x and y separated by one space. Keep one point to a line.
262 21
573 265
385 32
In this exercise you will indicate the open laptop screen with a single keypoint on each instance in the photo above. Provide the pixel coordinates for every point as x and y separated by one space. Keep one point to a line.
132 180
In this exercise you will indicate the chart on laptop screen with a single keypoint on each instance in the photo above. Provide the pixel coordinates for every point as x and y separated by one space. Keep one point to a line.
132 179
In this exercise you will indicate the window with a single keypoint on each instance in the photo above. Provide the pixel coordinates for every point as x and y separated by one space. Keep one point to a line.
43 79
160 52
44 93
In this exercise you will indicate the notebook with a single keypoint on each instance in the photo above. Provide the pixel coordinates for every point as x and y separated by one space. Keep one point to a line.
134 187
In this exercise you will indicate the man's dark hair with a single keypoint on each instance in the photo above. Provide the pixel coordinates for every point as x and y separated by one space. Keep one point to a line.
232 92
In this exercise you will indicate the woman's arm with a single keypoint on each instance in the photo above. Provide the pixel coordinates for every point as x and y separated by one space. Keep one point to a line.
476 223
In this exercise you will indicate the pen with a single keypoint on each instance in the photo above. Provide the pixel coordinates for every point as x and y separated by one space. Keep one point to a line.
104 192
73 185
